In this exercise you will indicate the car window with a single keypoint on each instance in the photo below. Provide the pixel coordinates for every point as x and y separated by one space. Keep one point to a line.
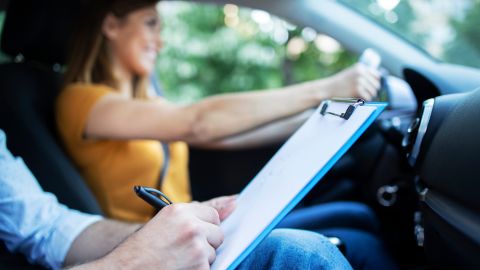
446 30
211 49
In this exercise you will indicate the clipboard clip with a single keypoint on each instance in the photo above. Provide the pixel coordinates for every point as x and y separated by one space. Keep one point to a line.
348 112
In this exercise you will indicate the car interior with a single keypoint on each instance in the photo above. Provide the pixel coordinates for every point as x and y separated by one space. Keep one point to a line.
416 166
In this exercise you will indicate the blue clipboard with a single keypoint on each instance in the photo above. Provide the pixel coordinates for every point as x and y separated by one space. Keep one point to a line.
349 109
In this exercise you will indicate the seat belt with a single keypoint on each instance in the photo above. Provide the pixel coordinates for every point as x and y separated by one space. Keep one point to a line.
166 150
166 163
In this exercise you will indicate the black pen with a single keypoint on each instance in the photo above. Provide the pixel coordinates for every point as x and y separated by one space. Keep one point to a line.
154 197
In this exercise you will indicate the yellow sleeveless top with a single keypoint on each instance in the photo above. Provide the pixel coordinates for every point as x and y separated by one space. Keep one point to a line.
112 167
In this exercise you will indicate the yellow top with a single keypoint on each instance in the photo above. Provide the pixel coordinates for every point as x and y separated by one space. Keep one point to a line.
112 167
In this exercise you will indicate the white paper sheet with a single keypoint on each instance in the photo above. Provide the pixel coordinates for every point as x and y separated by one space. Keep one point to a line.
294 166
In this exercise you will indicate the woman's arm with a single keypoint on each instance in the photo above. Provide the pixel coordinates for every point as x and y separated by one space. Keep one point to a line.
268 134
221 116
211 119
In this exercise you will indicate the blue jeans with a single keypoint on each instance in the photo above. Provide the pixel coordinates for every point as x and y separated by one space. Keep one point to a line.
295 249
354 223
332 215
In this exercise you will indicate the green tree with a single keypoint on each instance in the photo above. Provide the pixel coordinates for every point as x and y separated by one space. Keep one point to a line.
202 56
465 47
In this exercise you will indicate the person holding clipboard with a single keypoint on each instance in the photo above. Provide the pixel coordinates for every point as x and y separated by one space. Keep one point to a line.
47 233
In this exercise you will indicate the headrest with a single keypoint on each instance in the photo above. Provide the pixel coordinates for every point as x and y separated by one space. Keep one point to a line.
39 30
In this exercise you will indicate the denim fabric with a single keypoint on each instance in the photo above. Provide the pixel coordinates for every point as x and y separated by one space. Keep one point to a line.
32 221
295 249
354 223
332 215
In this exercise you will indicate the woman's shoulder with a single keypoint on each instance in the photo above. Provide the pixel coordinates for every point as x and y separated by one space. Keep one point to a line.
76 92
74 104
75 96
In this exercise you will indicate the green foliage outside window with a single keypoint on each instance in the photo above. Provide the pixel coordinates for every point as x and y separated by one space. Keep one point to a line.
206 54
465 48
447 30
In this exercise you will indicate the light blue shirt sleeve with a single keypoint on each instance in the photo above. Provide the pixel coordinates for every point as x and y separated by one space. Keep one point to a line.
32 221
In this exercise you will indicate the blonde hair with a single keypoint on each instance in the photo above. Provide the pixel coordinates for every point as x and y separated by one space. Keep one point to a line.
89 59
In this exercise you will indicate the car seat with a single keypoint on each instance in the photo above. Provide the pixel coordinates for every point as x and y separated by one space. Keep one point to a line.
28 88
36 42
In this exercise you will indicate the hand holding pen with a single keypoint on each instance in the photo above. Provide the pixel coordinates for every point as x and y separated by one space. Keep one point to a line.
224 205
154 197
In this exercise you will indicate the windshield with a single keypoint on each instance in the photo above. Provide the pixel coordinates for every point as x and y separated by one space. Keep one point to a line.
213 49
447 30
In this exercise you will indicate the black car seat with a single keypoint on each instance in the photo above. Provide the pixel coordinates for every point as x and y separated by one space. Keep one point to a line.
35 37
36 41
